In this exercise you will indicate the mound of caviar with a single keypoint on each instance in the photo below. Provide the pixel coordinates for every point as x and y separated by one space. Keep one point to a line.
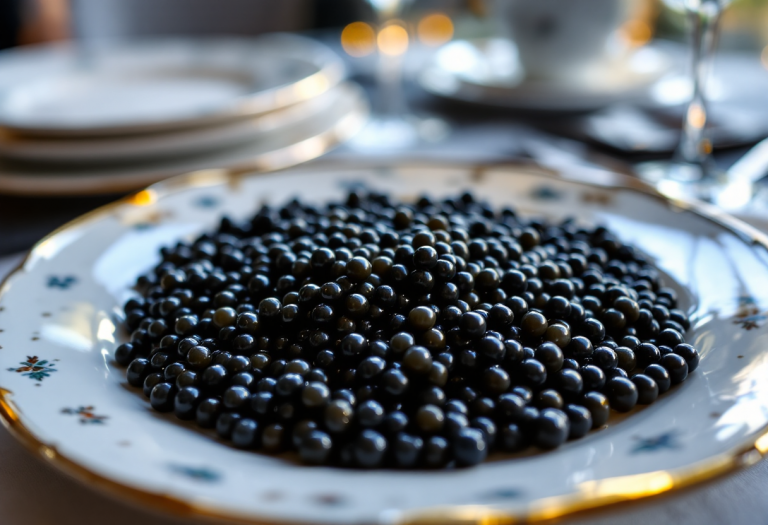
373 333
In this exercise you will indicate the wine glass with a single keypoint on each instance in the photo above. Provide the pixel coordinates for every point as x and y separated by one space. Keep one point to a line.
692 171
391 126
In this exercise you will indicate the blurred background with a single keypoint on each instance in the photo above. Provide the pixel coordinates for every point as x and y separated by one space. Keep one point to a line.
24 22
745 23
605 83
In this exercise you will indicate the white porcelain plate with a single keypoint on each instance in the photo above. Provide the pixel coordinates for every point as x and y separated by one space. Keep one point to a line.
487 71
158 84
276 140
63 394
88 151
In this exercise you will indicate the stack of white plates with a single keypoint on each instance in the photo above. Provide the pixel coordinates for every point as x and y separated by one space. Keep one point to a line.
111 119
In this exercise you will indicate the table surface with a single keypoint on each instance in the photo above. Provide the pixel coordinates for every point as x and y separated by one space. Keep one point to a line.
33 493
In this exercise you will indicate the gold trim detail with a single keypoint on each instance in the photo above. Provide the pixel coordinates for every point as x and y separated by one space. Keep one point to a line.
589 496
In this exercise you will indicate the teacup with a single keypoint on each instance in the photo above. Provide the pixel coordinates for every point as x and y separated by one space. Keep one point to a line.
557 39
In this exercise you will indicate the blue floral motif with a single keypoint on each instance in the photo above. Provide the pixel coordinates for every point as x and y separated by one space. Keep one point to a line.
666 440
748 314
545 193
34 368
63 283
505 493
352 185
86 414
332 500
206 201
196 473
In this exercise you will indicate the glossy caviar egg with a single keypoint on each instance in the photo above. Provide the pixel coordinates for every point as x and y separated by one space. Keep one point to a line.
622 393
676 366
534 324
315 448
690 354
370 448
473 324
422 318
647 389
647 354
163 396
552 428
548 398
207 412
550 355
580 421
469 447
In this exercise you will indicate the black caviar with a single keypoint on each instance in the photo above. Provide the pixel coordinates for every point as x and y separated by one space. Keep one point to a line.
373 333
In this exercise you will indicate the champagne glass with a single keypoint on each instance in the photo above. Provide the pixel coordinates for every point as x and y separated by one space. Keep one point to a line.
391 126
692 172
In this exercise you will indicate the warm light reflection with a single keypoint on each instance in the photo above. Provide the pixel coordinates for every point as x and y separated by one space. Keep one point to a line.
310 87
51 246
358 39
762 444
764 57
629 487
611 490
636 32
435 29
697 116
106 331
142 198
393 40
73 328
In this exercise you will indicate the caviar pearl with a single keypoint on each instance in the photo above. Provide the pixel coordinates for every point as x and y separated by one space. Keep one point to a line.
647 389
659 374
315 448
418 360
622 393
690 354
676 366
534 324
552 428
430 419
406 449
579 419
469 447
162 397
370 449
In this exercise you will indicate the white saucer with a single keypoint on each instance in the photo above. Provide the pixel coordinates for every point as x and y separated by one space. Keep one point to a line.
277 140
487 71
157 85
154 146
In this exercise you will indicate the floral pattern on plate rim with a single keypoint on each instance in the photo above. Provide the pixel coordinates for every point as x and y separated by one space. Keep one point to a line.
86 413
34 368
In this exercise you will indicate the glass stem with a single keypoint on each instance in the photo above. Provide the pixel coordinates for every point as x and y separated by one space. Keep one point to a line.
389 84
695 147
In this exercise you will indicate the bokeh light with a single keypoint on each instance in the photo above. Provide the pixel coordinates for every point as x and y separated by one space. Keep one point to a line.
358 39
435 29
696 116
393 40
636 32
764 57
